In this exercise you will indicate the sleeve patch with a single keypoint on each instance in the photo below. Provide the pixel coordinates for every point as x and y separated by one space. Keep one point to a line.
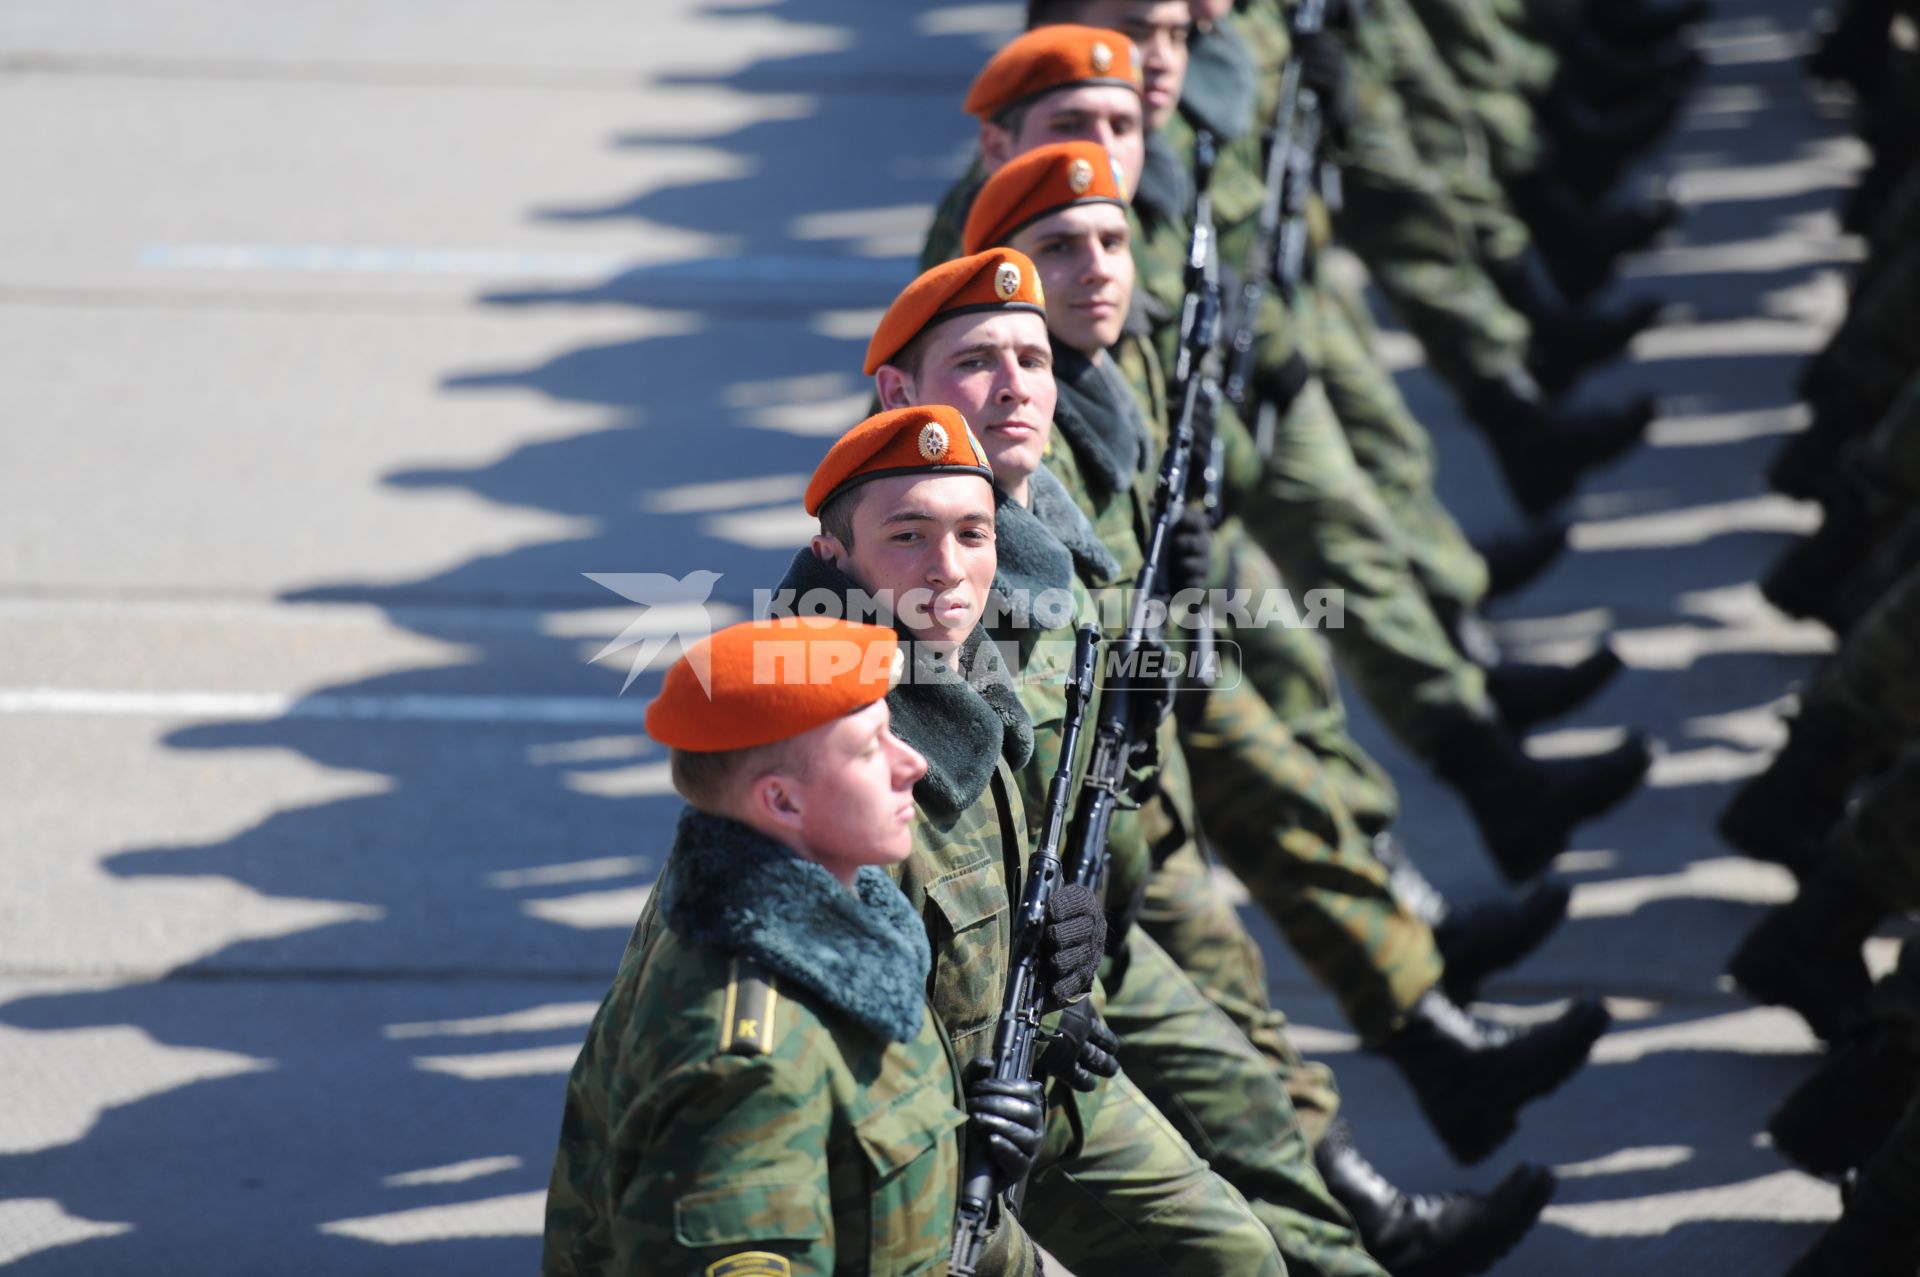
751 1263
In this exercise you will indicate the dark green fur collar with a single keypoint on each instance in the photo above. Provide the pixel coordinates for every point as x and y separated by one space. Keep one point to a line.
1032 560
1166 184
961 724
1099 418
735 890
1056 511
1221 85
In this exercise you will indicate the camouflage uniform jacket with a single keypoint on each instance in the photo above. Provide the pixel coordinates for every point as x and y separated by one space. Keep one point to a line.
762 1091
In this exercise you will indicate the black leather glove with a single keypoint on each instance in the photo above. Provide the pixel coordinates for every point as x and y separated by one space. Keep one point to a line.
1324 69
1083 1049
1282 385
1071 943
1190 550
1010 1116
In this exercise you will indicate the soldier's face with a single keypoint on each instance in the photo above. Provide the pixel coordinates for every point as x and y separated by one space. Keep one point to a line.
997 369
926 541
1160 28
1084 255
851 802
1104 113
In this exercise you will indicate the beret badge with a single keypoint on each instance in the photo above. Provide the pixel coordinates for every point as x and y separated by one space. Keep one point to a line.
1079 176
933 441
1101 56
1006 280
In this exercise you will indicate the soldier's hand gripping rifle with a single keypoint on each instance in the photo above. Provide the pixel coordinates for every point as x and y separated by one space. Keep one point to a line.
1280 238
1016 1032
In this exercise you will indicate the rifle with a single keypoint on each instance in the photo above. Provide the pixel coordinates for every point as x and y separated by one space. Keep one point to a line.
1105 786
1015 1032
1280 238
1198 391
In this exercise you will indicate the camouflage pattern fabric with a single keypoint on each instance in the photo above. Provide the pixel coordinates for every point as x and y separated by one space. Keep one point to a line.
1395 452
1221 1093
807 1138
1138 1199
1405 217
1190 918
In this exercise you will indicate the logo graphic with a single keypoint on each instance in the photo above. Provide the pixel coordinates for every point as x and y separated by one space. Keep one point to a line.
933 441
1006 280
1079 176
675 612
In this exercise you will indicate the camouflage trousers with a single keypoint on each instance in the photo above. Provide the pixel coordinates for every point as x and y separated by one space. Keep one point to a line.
1324 524
1395 452
1270 813
1187 915
1480 56
1222 1095
1136 1198
1292 671
1403 216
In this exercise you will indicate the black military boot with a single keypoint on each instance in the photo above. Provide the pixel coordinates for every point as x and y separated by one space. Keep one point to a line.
1541 450
1527 695
1785 814
1802 582
1567 340
1639 26
1527 808
1431 1234
1597 146
1581 237
1471 1076
1605 75
1875 1236
1806 955
1839 1117
1516 559
1476 937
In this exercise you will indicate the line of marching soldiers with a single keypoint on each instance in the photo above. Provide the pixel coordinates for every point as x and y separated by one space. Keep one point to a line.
938 976
1840 804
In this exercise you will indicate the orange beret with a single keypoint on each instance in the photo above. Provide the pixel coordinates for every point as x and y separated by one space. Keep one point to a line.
1000 280
1049 58
762 681
1042 181
933 439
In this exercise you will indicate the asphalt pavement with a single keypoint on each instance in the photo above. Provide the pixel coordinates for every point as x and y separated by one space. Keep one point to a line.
340 344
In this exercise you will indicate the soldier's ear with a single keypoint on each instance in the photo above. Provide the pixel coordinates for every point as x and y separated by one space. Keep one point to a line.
894 386
774 803
827 549
996 145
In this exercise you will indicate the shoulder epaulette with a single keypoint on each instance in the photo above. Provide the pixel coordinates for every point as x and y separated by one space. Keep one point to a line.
752 1002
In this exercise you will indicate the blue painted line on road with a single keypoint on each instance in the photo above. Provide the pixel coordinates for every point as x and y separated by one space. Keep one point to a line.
325 259
422 707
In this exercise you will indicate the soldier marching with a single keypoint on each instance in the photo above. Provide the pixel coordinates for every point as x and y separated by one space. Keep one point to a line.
938 976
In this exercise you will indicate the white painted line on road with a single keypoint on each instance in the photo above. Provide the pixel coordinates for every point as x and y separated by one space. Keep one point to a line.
456 1173
517 1215
423 707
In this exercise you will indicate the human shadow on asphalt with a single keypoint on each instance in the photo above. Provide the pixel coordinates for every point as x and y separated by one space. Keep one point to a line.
407 1056
431 1033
